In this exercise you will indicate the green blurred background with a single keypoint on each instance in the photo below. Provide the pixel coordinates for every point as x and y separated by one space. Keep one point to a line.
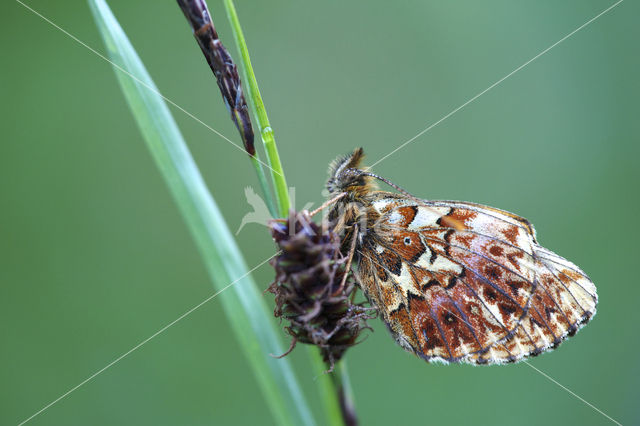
95 257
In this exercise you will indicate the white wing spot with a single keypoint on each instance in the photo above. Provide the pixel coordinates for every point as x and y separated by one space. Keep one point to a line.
395 217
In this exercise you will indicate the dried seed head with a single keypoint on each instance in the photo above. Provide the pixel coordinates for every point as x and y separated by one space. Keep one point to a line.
309 289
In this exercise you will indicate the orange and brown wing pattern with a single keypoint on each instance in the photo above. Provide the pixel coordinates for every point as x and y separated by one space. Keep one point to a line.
482 292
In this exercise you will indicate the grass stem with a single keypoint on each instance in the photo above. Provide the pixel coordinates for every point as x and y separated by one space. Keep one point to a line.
337 403
255 99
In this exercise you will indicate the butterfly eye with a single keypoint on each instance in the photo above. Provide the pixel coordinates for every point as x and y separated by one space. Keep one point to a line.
407 240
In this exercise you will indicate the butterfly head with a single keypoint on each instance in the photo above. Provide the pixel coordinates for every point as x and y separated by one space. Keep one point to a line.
345 175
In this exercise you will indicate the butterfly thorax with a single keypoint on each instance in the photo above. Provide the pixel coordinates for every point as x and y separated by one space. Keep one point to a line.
346 177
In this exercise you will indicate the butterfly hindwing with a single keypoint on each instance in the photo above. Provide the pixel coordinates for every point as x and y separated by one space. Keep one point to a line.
464 282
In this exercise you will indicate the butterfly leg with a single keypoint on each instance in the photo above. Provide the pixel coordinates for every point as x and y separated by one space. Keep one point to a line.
327 204
352 250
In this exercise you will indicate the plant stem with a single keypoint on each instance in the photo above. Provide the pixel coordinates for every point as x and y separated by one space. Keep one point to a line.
263 184
326 387
334 387
255 99
345 393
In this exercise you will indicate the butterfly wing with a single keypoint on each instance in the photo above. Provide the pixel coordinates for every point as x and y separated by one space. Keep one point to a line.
462 282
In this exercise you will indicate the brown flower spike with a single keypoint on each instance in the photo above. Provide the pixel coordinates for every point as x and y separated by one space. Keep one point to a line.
309 289
223 68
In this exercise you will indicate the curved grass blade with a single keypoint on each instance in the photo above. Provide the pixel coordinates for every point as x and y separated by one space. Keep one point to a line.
243 303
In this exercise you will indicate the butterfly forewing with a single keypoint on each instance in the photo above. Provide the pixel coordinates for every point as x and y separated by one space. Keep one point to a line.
479 291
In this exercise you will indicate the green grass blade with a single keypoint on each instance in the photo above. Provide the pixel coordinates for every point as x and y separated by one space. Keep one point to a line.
243 303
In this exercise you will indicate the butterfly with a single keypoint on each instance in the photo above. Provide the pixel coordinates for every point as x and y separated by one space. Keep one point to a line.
455 281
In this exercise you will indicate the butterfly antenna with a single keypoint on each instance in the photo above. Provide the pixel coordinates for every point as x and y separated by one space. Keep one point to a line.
391 184
454 223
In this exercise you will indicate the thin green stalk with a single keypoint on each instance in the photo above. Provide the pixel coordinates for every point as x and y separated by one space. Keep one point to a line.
241 299
273 158
263 184
326 387
329 385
